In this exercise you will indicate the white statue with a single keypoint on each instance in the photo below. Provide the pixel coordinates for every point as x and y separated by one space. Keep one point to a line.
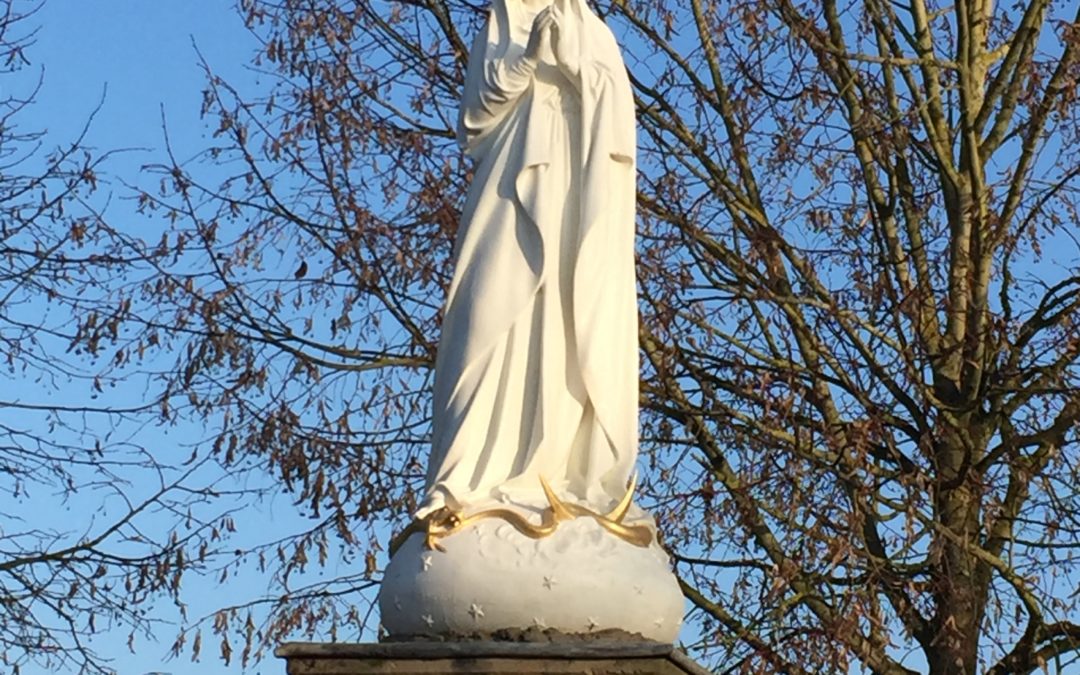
528 519
537 370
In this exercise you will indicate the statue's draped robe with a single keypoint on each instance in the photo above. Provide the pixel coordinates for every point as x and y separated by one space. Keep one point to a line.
537 369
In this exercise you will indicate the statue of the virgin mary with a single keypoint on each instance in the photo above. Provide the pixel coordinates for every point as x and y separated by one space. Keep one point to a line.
534 434
537 369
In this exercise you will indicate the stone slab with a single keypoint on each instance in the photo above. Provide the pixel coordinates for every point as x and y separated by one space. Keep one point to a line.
594 657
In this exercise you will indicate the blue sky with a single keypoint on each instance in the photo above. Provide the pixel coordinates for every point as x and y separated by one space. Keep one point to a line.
141 55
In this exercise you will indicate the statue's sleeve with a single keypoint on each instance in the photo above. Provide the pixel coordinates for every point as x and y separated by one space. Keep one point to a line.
492 86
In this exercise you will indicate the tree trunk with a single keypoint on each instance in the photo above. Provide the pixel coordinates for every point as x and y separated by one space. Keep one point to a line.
960 579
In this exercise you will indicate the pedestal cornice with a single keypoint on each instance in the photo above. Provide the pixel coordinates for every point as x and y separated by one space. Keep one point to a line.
569 657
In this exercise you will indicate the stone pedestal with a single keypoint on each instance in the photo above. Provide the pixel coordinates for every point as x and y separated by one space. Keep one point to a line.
590 657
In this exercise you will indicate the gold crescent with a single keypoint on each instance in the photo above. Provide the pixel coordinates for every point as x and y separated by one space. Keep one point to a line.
444 522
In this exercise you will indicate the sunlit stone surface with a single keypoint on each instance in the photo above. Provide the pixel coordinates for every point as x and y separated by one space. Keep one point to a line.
580 580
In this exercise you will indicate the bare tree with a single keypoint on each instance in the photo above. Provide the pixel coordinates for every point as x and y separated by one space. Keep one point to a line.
860 285
94 523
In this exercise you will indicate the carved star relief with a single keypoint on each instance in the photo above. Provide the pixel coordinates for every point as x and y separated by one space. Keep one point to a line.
593 623
550 582
428 619
476 612
425 562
